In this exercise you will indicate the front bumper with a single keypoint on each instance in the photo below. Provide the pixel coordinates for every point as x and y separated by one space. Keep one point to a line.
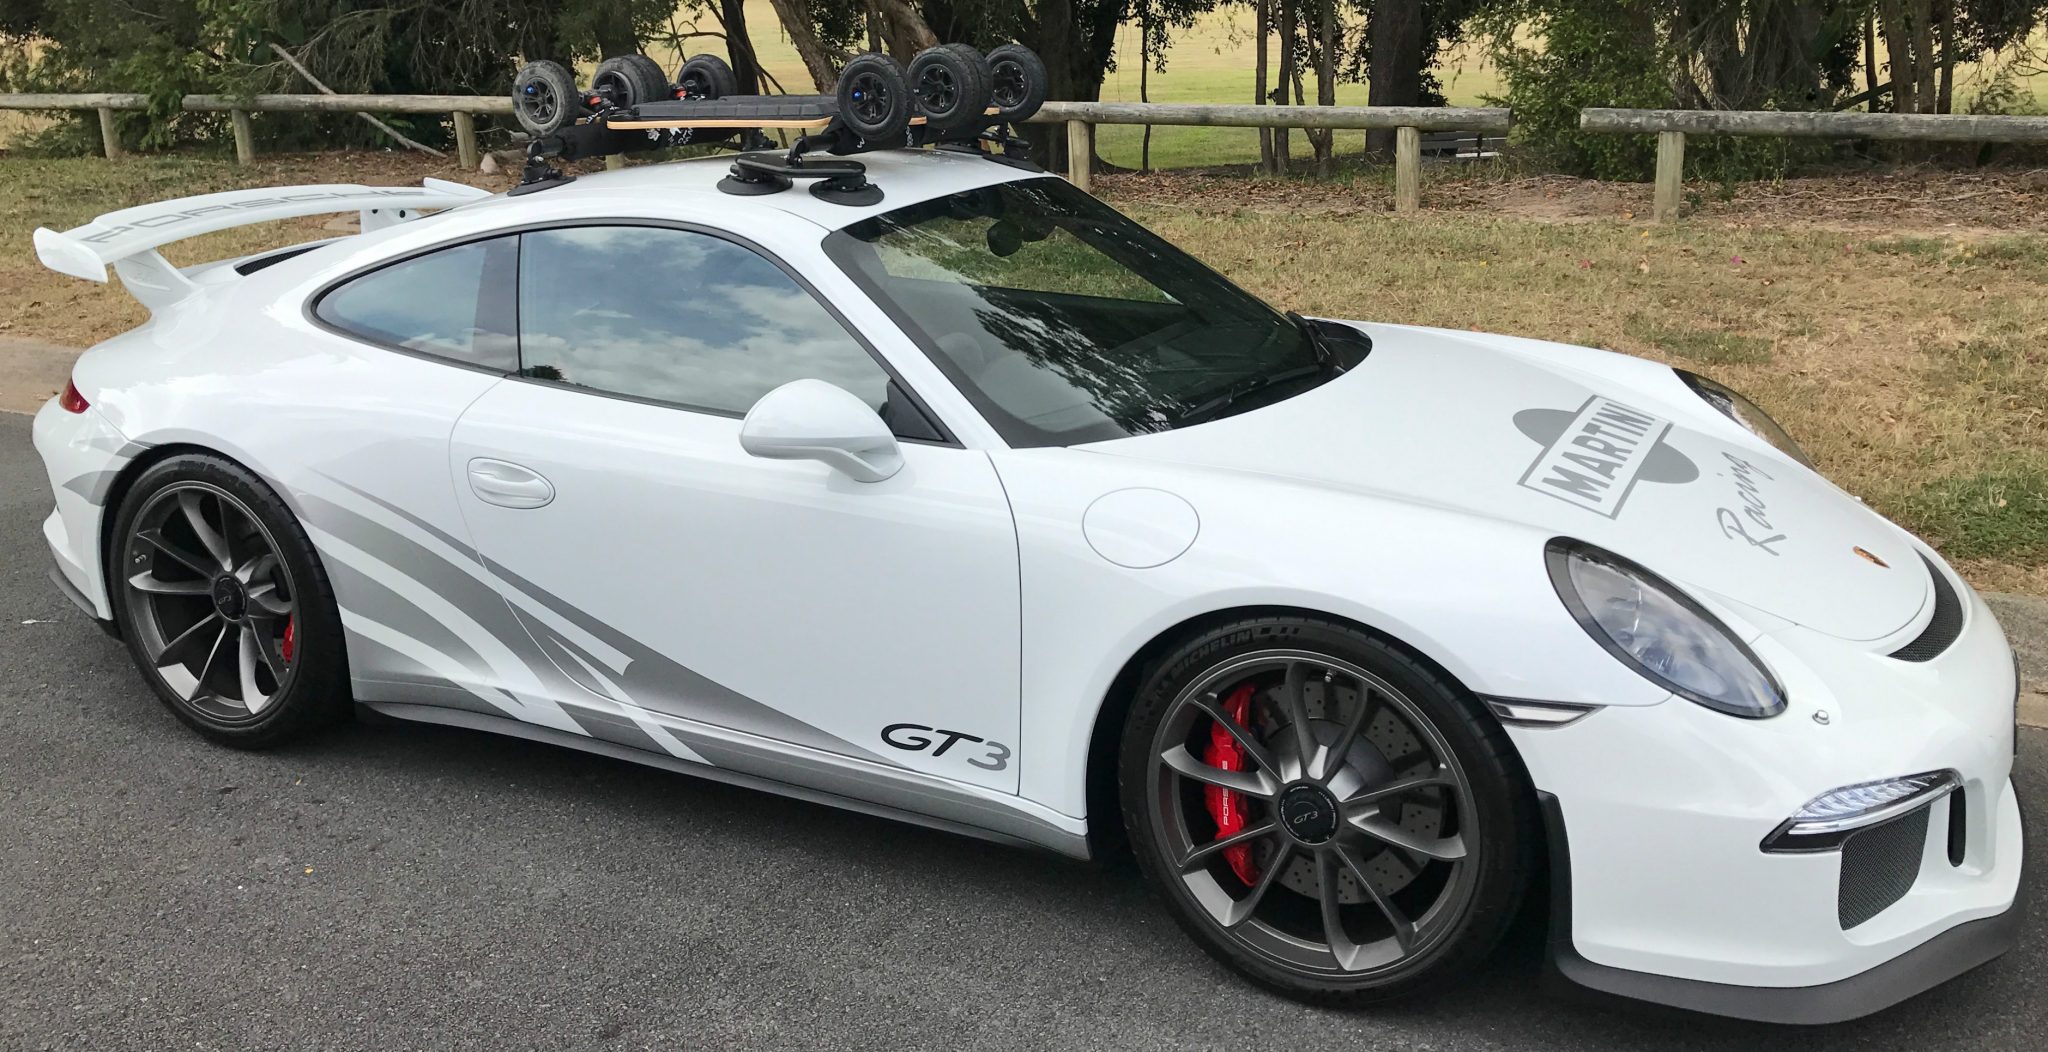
1658 816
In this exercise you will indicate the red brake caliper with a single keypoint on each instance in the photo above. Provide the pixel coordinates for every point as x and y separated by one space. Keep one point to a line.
286 646
1227 806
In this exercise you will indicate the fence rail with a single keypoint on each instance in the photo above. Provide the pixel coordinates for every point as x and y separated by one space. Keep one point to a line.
1080 118
1672 126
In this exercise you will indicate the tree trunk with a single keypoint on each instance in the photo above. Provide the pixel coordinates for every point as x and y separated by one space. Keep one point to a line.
739 47
904 29
1898 44
1324 139
1145 78
1870 56
614 32
1259 98
1946 102
819 61
1283 146
1396 76
1923 54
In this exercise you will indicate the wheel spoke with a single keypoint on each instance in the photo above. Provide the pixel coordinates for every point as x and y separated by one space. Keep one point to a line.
205 667
1242 909
1381 793
151 583
267 650
1246 740
1333 758
1203 853
1341 945
182 649
252 699
1446 849
1294 700
1251 783
265 600
1404 929
255 566
215 544
197 564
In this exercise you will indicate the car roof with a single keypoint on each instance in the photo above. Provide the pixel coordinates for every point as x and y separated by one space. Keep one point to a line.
904 176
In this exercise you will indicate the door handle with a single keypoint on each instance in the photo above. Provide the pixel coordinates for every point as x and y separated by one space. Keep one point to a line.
509 485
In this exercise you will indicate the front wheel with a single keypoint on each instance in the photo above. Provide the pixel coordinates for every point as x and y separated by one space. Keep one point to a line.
224 604
1322 812
874 99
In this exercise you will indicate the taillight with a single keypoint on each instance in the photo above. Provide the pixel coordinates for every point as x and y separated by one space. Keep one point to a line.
71 401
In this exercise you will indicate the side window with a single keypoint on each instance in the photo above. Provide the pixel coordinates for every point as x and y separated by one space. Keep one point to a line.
450 304
680 317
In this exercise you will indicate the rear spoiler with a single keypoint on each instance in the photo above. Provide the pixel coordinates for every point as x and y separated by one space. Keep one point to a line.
128 239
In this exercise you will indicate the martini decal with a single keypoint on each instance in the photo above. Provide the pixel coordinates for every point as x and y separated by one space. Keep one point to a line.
1595 456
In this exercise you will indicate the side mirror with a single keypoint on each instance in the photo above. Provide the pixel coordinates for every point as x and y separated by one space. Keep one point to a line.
815 420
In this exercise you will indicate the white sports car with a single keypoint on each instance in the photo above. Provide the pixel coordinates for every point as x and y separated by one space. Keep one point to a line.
983 507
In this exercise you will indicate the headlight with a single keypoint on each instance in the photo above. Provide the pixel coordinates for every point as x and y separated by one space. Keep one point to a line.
1744 412
1660 632
1828 819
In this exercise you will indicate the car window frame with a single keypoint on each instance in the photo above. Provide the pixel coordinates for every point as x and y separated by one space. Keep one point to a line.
946 438
498 300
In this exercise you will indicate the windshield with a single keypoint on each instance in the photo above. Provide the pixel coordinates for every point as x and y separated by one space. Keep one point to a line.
1065 322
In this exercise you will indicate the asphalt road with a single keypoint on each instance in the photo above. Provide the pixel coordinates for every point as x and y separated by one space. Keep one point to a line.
414 887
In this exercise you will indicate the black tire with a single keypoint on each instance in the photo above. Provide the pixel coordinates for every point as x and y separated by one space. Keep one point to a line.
707 77
544 97
1456 885
629 80
1018 82
951 82
874 99
302 657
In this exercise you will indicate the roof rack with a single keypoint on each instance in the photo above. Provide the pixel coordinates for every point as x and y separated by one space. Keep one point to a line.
951 97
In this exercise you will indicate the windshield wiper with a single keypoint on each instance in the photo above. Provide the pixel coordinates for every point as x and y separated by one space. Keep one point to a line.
1326 356
1236 394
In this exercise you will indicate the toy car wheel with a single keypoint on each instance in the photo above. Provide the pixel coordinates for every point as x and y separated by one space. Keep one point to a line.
706 77
1322 812
629 80
952 86
224 605
544 97
1018 82
874 98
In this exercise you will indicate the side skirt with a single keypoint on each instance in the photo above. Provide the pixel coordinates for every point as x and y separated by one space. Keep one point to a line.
792 772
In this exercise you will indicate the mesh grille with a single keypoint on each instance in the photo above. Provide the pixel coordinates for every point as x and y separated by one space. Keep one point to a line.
1879 865
1947 623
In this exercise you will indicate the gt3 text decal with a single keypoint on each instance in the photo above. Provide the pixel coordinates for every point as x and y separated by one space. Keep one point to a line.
916 737
1594 457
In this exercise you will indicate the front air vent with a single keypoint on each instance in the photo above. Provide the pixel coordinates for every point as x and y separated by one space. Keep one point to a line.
1879 865
1947 624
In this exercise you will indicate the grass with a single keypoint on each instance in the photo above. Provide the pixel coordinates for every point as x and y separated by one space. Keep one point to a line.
1910 362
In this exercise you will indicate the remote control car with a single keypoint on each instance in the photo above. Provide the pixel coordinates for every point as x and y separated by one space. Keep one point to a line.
986 508
950 94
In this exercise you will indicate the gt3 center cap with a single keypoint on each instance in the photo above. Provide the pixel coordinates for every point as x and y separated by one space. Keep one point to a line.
1309 812
229 597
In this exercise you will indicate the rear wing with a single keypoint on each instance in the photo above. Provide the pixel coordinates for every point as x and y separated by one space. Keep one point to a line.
128 239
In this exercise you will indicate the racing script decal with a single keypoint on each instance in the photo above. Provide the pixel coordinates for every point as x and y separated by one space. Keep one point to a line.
1594 457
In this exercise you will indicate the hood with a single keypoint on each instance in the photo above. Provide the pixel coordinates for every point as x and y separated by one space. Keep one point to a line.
1498 428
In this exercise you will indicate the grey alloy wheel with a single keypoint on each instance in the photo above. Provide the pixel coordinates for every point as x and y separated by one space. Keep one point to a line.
1358 841
212 605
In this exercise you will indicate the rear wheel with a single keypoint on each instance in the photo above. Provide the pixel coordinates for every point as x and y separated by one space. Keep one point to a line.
224 604
629 80
874 99
952 86
544 97
1323 813
707 77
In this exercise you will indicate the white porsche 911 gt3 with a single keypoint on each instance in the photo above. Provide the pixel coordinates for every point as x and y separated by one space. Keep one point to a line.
983 507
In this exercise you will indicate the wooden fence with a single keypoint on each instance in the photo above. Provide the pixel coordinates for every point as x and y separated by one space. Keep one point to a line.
1672 126
1080 118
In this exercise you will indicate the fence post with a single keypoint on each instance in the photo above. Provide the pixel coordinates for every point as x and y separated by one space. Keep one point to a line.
245 144
1407 169
1670 175
465 139
110 137
1080 152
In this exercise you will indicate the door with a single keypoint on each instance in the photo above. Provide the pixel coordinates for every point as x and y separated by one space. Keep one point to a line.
680 583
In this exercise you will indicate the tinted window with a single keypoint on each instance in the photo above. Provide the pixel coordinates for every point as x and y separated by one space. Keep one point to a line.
677 317
1065 322
441 304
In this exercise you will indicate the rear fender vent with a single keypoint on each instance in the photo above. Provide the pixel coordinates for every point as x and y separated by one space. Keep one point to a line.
1947 625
